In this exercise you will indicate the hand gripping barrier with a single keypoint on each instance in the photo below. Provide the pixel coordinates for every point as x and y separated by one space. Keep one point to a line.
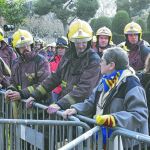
35 129
102 139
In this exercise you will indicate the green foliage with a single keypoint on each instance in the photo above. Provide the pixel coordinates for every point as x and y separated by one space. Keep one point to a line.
138 5
100 22
148 23
133 7
142 24
67 10
42 7
2 7
123 5
118 38
15 12
86 9
146 36
45 6
119 21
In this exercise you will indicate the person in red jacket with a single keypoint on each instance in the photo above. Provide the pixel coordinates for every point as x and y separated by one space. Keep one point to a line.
61 47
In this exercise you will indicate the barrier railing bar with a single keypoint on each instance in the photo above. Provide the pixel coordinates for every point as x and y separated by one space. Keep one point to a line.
80 139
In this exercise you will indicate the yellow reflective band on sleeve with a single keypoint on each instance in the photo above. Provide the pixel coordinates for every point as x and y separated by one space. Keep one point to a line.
63 83
74 86
125 48
31 89
70 99
19 87
41 89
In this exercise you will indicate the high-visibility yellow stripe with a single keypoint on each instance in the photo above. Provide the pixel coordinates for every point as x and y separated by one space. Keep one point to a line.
41 89
31 89
63 83
74 86
19 87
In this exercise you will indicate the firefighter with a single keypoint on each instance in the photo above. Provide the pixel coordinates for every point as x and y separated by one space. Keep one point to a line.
78 71
6 52
61 47
104 40
39 47
136 47
5 73
51 51
29 69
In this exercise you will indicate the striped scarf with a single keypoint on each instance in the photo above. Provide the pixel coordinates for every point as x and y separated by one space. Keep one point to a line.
109 81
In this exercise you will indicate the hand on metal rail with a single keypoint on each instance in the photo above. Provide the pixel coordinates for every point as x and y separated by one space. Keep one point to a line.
29 102
107 120
69 112
12 95
53 108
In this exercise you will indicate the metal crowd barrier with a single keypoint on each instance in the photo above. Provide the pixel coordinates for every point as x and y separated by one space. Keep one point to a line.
103 138
34 129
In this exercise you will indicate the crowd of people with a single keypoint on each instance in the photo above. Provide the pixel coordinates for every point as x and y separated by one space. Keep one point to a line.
82 74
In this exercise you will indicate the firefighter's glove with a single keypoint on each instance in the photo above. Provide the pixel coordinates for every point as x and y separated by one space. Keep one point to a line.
106 120
53 108
29 102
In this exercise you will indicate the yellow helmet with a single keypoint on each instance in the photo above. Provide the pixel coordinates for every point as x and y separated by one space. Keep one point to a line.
104 31
1 35
133 28
80 30
21 38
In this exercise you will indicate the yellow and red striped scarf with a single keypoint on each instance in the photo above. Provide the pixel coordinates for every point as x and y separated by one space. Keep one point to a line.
109 81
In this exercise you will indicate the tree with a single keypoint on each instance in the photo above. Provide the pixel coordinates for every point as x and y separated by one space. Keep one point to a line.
148 23
42 7
67 10
15 12
138 5
100 22
86 9
133 7
2 7
119 21
123 5
141 23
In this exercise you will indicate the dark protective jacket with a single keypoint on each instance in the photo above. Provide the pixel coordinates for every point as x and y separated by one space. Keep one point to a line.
137 54
4 74
7 53
77 76
29 73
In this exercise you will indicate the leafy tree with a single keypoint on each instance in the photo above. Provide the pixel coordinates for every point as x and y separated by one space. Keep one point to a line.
123 5
100 22
142 24
57 7
148 23
86 9
67 10
138 5
133 7
15 12
2 7
42 7
119 21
